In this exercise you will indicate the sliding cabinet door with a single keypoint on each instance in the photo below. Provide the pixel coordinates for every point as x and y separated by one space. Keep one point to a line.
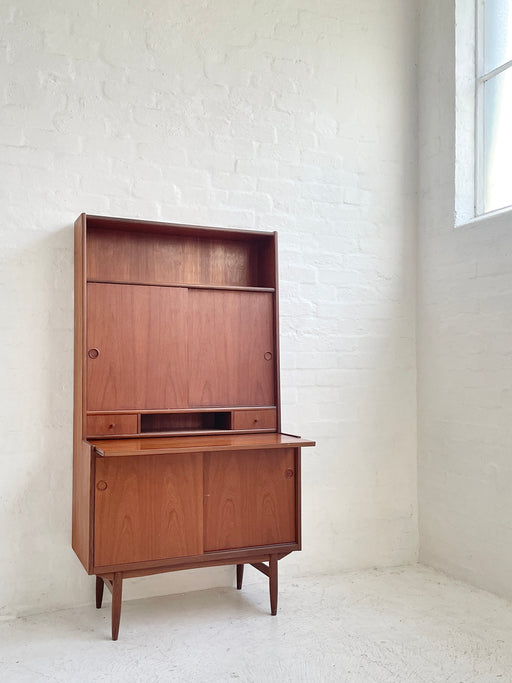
230 348
148 508
250 498
136 345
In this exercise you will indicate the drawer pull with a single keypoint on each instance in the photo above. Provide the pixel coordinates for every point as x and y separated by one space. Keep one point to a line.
101 485
267 356
93 353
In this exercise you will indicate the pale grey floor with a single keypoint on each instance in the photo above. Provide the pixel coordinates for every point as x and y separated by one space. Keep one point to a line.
408 624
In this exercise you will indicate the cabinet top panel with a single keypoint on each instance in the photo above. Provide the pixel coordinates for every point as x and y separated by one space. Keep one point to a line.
136 225
180 444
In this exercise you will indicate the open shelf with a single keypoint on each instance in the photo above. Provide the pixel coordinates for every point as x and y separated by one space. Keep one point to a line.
192 257
185 422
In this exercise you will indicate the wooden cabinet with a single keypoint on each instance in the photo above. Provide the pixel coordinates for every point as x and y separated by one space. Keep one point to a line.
179 461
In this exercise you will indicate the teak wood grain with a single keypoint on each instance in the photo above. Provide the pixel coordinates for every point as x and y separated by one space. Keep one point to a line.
249 498
191 444
230 348
147 509
99 425
139 334
166 258
254 419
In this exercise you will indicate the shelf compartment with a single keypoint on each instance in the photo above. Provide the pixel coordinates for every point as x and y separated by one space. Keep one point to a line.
185 422
172 255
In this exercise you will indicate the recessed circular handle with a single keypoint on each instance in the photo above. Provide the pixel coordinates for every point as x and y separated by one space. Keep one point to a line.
288 474
267 356
101 485
93 353
112 425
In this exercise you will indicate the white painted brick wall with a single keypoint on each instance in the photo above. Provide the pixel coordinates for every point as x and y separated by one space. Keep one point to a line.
465 351
295 116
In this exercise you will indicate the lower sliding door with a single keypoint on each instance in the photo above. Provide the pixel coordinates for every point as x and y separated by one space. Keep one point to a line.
250 498
148 507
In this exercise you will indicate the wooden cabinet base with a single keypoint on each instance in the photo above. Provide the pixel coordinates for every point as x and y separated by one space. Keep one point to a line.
114 582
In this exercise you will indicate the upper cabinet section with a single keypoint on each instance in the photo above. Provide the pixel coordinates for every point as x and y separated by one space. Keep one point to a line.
177 329
144 252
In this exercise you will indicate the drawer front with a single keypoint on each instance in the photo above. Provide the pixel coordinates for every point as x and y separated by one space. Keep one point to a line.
102 425
254 419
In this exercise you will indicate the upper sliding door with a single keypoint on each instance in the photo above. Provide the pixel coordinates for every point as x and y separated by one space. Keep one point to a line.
136 346
231 348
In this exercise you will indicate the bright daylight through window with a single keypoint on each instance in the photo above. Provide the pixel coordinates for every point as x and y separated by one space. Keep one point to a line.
494 105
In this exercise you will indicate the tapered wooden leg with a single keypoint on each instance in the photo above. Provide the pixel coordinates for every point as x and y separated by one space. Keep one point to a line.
239 575
117 594
272 579
99 591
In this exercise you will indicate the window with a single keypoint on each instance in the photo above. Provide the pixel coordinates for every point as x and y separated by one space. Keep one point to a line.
493 120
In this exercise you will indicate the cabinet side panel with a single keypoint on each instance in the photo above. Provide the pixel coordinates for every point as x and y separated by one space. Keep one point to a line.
82 458
82 505
250 498
79 292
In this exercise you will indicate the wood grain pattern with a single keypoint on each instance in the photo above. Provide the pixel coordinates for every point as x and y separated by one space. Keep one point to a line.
229 335
249 498
151 508
191 444
82 458
254 419
100 425
140 334
166 258
82 513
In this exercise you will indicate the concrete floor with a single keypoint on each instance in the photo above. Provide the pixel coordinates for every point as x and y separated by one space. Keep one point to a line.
407 624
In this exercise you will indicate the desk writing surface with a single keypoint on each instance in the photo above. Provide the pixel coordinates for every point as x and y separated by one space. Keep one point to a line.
183 444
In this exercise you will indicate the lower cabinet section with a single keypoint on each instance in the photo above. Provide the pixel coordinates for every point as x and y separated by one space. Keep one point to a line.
157 507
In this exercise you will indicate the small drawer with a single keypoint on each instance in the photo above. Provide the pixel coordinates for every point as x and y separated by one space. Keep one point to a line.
254 419
102 425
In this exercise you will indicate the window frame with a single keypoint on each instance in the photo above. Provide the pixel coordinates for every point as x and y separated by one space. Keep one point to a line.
481 78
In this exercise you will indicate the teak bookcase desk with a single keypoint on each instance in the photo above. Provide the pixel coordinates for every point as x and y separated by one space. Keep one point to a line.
179 461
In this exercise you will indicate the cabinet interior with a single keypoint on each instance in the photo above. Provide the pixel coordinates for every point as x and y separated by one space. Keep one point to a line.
184 422
126 254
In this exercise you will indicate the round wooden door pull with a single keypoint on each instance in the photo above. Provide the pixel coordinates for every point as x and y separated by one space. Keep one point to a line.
101 485
288 474
267 356
93 353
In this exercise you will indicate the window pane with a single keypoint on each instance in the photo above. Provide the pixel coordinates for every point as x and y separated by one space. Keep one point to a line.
498 33
498 141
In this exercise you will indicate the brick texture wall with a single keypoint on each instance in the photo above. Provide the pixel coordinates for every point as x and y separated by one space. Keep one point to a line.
294 116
